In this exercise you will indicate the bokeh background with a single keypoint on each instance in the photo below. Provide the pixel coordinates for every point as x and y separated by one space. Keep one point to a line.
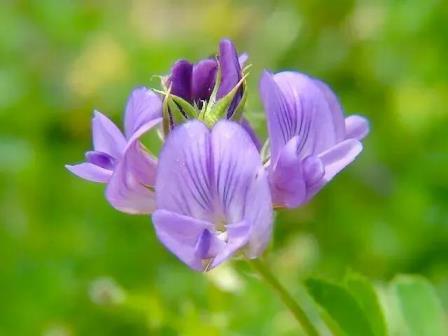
72 265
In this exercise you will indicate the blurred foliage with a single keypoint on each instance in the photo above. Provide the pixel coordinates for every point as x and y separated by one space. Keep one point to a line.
71 265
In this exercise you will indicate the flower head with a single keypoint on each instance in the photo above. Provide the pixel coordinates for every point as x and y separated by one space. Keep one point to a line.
310 141
212 196
210 193
119 159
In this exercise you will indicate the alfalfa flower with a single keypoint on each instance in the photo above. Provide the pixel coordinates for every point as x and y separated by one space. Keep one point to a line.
310 141
212 195
120 160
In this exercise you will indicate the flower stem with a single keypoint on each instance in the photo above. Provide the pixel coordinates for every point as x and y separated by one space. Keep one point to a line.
287 299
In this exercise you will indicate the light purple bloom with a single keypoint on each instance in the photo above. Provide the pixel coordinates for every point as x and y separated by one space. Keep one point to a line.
195 82
119 159
310 141
213 196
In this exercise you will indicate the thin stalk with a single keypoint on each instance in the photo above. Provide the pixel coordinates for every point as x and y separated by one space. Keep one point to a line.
287 299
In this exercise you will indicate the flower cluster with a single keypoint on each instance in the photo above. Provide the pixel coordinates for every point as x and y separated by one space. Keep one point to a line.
212 190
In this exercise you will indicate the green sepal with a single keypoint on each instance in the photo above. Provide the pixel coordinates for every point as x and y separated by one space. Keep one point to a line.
176 113
219 109
189 110
172 106
238 113
214 93
166 114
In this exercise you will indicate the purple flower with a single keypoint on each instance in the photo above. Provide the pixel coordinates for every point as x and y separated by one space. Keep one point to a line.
195 82
213 196
119 159
310 141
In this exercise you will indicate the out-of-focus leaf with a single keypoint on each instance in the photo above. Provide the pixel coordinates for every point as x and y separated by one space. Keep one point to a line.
364 292
421 310
341 306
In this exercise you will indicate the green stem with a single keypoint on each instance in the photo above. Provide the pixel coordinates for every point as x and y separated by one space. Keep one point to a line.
287 299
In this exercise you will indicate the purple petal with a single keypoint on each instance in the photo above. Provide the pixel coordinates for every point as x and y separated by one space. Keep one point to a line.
143 106
203 80
313 170
146 127
181 235
338 157
183 178
208 246
258 214
335 108
102 160
241 185
288 185
281 119
107 138
238 235
310 116
235 165
129 189
356 127
180 79
90 172
242 59
231 73
248 128
335 160
216 177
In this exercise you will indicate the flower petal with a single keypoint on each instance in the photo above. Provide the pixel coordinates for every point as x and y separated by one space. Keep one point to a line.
181 235
241 185
288 185
310 115
208 246
335 108
129 189
90 172
338 157
313 169
231 73
258 214
238 235
249 129
180 79
356 127
335 160
143 106
107 138
203 80
235 164
218 178
280 118
242 59
183 179
100 159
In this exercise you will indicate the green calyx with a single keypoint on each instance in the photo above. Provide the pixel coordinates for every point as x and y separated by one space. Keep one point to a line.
177 110
217 110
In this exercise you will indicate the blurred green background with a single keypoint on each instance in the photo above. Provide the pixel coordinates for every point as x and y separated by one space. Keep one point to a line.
72 265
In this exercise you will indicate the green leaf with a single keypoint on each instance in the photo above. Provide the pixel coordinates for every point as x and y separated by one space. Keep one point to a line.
341 306
366 296
420 308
